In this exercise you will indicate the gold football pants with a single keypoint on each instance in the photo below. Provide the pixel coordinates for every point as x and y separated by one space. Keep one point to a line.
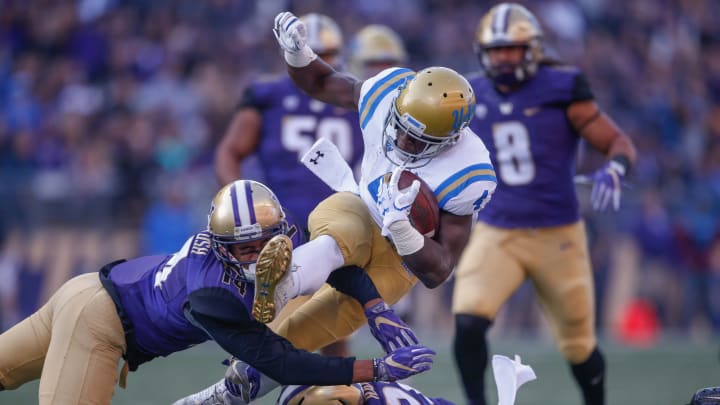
73 344
329 315
496 261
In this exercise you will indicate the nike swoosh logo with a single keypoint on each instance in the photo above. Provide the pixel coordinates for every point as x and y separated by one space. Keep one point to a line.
531 111
391 362
385 321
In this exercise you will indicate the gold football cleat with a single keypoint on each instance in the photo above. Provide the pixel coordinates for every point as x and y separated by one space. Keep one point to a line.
272 265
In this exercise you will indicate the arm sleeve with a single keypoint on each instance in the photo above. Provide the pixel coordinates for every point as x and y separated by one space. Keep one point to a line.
224 317
581 89
355 282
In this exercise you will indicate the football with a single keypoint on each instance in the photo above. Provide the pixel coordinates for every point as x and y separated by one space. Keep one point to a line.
425 212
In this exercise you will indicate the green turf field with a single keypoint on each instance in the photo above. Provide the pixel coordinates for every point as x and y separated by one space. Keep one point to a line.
667 374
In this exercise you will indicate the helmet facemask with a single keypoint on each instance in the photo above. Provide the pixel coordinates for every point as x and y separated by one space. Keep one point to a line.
511 74
395 125
243 202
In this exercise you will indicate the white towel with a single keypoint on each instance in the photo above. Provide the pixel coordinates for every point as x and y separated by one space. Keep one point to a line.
325 161
509 376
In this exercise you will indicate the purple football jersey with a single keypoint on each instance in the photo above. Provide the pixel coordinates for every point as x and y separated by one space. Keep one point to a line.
154 292
532 147
291 123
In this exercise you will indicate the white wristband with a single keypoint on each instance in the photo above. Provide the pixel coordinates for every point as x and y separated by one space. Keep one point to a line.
407 240
301 58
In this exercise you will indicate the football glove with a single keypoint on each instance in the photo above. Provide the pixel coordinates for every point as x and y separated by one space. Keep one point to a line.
607 186
388 329
245 382
291 34
394 204
403 363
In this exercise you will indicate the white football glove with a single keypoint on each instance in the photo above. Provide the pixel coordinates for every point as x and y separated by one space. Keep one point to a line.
394 204
291 34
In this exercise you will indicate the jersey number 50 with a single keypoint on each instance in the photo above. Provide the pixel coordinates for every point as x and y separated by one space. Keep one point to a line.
514 160
297 133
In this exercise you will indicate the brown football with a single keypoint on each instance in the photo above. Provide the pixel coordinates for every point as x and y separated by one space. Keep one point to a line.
425 213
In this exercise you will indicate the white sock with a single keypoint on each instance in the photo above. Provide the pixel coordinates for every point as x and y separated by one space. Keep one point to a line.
314 261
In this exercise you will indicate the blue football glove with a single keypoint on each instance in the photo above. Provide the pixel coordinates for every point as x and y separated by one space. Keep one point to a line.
403 363
607 185
388 329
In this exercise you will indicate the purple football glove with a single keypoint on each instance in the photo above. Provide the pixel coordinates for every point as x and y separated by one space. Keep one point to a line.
607 184
388 329
244 381
403 363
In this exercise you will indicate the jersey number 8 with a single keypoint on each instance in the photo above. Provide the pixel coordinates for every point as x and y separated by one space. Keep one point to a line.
514 160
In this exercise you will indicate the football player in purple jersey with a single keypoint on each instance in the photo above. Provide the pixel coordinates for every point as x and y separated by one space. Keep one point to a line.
531 113
153 306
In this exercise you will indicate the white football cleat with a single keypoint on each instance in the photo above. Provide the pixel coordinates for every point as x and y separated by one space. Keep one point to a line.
273 283
216 394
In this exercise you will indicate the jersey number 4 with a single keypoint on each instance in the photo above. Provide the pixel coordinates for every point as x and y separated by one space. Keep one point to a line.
299 133
514 160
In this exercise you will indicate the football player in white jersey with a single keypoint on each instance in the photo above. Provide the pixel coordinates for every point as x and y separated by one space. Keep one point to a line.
415 121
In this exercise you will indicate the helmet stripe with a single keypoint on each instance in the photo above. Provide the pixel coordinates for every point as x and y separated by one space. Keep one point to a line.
242 204
233 198
250 204
501 19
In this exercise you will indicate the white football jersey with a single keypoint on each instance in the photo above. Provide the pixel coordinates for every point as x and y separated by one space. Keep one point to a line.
462 176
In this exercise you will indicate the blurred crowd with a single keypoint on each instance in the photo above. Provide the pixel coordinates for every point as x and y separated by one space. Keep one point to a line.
110 111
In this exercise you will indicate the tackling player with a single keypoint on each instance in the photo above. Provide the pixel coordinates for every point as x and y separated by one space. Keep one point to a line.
410 120
153 306
531 113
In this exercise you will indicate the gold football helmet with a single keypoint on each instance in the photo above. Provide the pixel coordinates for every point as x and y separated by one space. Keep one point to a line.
374 48
324 37
509 24
432 109
316 395
243 211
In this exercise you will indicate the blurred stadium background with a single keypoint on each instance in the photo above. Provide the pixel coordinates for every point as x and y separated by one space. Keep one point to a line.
110 111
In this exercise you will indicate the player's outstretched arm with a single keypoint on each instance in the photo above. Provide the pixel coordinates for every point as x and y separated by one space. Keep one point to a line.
315 77
386 327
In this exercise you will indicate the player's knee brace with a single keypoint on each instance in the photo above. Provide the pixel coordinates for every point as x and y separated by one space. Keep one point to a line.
471 354
590 376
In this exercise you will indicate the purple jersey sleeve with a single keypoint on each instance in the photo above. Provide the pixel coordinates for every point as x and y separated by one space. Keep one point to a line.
154 293
532 147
